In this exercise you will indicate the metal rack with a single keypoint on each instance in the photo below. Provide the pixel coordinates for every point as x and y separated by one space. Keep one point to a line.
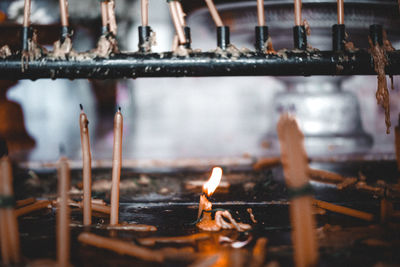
134 65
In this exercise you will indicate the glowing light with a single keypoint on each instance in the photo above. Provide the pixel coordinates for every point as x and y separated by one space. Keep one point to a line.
212 183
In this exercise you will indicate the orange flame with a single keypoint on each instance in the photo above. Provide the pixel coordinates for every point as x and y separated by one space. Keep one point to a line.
212 183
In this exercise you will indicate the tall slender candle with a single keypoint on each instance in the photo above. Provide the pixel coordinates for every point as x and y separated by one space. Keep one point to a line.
63 236
64 12
176 20
27 12
9 225
87 168
112 21
260 13
145 12
214 13
297 13
104 14
340 11
295 167
116 167
181 13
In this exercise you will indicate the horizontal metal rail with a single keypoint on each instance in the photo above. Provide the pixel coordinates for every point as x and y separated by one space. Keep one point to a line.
135 65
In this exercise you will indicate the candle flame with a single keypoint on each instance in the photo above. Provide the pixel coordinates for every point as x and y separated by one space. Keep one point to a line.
212 183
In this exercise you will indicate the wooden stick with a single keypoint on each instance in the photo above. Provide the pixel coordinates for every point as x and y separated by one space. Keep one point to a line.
63 214
24 202
120 247
260 13
145 12
295 167
27 13
340 11
38 205
116 167
344 210
64 12
112 21
175 19
104 13
214 13
190 239
297 13
9 223
87 168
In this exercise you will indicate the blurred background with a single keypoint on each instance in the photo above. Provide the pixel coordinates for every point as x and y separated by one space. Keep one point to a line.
178 118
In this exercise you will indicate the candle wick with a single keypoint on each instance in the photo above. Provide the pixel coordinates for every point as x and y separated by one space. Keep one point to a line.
80 105
119 109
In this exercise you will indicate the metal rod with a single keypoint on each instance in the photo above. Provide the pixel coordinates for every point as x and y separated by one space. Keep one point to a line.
200 65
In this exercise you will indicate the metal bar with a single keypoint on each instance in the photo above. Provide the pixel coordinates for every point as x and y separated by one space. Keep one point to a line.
134 65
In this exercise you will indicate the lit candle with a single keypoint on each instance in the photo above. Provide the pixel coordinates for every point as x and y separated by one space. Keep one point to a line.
63 237
297 13
214 13
87 168
260 12
176 20
145 12
340 11
116 167
10 247
208 189
295 168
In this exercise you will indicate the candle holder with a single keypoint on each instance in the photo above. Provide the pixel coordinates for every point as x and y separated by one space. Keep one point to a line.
223 37
188 37
144 38
300 37
376 34
261 38
65 33
338 37
26 35
104 30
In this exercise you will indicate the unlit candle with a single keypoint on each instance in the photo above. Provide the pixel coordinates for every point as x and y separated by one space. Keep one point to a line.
116 167
175 19
145 12
63 237
87 169
297 13
214 13
340 11
27 13
9 223
64 12
104 13
260 13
